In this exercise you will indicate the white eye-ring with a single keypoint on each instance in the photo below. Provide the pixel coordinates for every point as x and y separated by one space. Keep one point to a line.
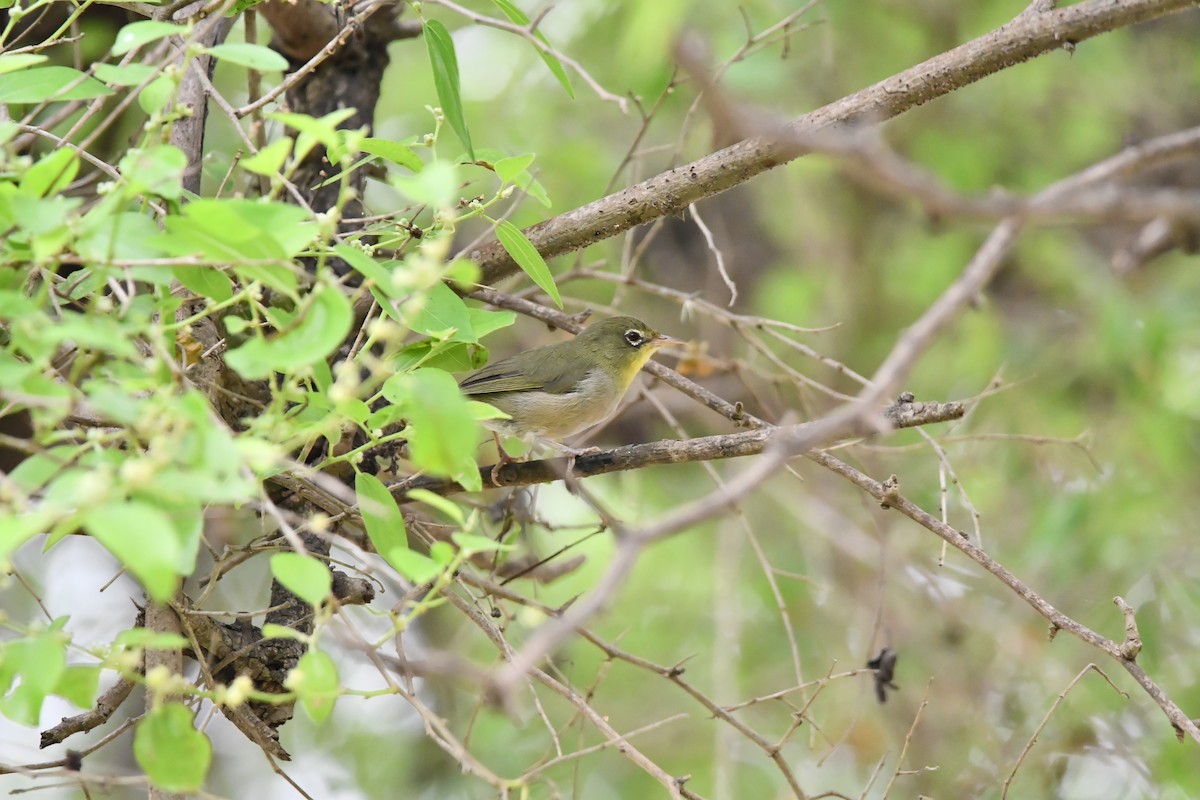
635 337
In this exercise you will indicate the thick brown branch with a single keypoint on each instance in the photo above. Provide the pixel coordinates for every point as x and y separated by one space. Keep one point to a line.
902 414
1026 37
106 705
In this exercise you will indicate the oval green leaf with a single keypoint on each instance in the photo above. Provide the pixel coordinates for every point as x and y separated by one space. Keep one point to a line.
143 539
173 753
528 258
395 152
518 17
442 435
50 174
303 576
136 34
254 56
315 682
49 83
385 523
446 80
12 63
416 567
123 74
270 159
318 330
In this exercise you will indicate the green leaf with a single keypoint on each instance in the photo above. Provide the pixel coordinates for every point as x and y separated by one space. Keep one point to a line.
45 215
16 530
254 56
104 236
123 74
440 313
385 523
155 170
270 159
485 411
315 681
303 576
272 631
157 94
470 543
395 152
351 408
79 684
445 355
12 63
238 230
447 507
445 79
173 753
436 185
243 5
484 322
136 34
316 331
15 305
368 267
144 639
463 272
508 169
442 434
515 169
92 332
208 282
143 539
40 661
278 277
527 258
518 17
49 83
414 566
442 553
313 129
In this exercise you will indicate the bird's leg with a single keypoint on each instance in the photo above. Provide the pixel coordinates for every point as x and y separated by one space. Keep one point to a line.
502 459
573 453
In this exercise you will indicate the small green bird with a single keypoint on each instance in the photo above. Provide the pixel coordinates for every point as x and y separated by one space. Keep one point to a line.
559 390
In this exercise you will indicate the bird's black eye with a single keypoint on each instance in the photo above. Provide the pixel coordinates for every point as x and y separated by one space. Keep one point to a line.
635 337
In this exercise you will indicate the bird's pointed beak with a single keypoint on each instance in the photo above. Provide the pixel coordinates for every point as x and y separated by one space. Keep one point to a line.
662 340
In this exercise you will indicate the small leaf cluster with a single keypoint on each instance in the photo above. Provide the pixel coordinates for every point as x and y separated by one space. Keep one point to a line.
136 313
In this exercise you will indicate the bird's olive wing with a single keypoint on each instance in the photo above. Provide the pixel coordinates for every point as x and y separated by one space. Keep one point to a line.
537 370
496 378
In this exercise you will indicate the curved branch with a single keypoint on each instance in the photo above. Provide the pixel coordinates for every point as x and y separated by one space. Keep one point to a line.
1026 37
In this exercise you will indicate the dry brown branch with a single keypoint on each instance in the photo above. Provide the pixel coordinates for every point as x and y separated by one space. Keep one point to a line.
674 786
105 706
1026 37
1132 645
907 741
675 675
528 33
907 349
309 35
776 445
672 451
1038 29
1046 719
881 492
